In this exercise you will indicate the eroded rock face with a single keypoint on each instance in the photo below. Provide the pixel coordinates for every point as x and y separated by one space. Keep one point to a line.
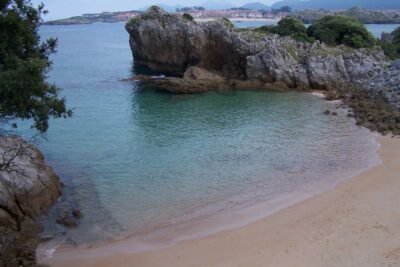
276 65
171 43
28 187
167 43
195 80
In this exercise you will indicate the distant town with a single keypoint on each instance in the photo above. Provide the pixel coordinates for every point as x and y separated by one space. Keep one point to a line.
200 13
105 17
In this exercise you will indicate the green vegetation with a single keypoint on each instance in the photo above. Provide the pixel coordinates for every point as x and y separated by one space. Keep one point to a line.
131 22
24 62
288 26
187 17
227 23
389 49
396 36
390 43
293 27
255 33
337 30
332 30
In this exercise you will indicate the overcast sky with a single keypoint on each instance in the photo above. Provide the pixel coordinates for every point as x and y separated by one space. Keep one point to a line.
67 8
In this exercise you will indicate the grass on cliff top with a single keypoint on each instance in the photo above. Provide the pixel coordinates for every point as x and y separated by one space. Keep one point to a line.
288 26
131 22
254 33
187 17
227 23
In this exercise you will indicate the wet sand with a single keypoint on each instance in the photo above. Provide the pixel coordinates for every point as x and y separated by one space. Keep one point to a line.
355 224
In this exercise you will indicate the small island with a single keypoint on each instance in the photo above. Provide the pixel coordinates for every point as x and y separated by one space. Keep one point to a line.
346 63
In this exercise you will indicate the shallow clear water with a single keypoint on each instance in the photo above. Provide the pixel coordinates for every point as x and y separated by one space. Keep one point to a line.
375 29
133 158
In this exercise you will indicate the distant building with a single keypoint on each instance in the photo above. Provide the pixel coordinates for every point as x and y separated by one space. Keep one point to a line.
230 13
124 16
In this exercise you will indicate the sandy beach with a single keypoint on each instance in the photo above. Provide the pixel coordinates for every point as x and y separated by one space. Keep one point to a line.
355 224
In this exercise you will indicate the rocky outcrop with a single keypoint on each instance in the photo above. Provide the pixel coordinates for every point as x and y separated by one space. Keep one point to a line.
167 43
170 44
28 187
195 80
215 55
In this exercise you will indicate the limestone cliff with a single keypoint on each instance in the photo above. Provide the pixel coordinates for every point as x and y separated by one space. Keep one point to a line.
168 43
28 187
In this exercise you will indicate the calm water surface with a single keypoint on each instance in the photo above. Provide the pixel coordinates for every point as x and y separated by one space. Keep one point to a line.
133 158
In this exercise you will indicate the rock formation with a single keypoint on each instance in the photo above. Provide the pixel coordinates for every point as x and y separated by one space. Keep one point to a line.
215 56
28 187
170 44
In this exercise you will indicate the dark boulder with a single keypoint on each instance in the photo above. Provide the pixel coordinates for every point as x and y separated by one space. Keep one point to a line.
27 190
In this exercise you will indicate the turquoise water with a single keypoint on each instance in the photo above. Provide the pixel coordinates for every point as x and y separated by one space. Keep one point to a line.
133 158
375 29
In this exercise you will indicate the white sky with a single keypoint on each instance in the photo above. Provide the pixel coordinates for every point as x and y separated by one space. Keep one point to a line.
67 8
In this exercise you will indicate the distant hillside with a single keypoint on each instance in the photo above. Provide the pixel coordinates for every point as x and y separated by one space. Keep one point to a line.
364 15
256 6
338 4
105 17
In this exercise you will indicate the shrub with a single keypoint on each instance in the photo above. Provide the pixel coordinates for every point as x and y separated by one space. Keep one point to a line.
337 30
132 22
265 29
187 17
389 48
396 36
390 43
227 23
291 26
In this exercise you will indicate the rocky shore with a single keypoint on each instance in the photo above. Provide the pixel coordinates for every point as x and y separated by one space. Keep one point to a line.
199 57
28 187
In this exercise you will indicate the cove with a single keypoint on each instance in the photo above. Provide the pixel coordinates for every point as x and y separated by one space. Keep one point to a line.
135 159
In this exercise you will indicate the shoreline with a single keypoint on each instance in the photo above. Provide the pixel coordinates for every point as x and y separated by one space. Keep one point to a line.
239 20
49 23
119 253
